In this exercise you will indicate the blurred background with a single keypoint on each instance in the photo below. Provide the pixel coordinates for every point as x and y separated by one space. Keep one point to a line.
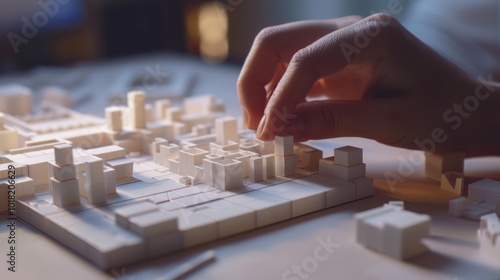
65 32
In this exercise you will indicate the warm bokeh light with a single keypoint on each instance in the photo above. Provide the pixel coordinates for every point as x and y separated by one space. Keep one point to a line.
212 26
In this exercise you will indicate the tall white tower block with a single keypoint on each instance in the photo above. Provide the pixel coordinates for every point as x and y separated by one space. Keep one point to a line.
63 183
136 103
95 185
226 129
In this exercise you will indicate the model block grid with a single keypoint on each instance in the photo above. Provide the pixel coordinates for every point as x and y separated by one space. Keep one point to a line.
156 184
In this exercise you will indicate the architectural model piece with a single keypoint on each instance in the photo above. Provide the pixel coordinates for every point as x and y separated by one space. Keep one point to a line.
453 182
436 165
489 235
393 231
483 198
151 180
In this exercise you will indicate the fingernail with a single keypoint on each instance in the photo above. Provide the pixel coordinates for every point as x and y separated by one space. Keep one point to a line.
260 128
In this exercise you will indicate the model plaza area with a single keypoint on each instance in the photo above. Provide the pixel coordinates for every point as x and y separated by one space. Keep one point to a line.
151 180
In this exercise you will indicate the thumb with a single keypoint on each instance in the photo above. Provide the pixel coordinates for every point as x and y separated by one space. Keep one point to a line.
377 119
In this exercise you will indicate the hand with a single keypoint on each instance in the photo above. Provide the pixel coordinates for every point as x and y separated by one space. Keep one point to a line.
380 82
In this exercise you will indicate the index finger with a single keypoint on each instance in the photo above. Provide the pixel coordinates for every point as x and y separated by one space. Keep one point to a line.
272 46
322 58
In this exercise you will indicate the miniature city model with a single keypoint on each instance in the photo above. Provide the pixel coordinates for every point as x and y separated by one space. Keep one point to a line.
146 182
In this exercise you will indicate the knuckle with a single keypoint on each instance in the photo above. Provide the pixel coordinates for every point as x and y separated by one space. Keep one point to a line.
266 35
302 57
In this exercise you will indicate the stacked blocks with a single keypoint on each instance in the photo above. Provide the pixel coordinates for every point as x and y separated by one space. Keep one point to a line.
489 235
285 160
347 164
63 184
393 231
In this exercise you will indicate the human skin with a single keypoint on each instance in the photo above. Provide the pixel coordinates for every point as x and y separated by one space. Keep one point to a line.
377 80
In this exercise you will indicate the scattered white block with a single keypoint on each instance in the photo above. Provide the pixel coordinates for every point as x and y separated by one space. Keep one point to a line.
227 174
457 206
488 235
392 231
348 156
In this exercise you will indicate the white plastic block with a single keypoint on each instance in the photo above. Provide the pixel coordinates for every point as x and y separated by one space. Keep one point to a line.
474 211
488 236
309 158
9 140
154 223
269 208
173 165
348 156
197 228
189 158
227 174
304 199
285 166
62 173
326 166
231 218
226 129
269 166
163 244
256 169
364 187
392 231
349 172
457 206
114 118
337 191
24 187
63 154
435 165
161 107
173 114
94 181
15 100
453 182
136 103
65 193
109 180
186 181
485 190
124 213
108 152
283 145
123 167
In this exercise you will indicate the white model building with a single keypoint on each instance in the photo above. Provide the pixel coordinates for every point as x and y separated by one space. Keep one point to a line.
488 235
483 198
139 183
392 231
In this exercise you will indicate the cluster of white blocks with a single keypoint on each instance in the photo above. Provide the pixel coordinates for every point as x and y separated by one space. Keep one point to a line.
148 182
483 198
488 235
393 231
